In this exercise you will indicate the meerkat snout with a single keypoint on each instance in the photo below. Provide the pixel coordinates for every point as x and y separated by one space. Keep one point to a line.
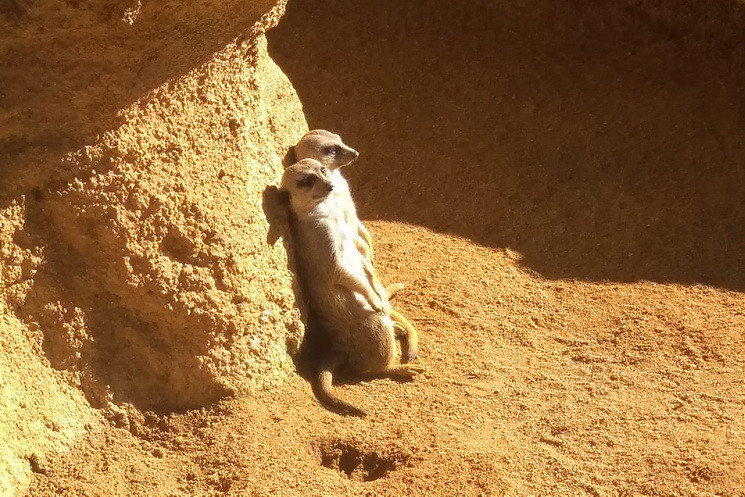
325 187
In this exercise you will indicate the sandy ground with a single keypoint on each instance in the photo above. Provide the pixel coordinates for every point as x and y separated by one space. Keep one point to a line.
560 187
534 387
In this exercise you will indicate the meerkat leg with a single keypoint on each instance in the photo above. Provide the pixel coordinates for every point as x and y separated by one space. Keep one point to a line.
363 247
405 370
366 236
375 282
392 290
404 329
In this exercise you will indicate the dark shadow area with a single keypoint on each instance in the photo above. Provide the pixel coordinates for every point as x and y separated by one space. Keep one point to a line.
601 140
13 10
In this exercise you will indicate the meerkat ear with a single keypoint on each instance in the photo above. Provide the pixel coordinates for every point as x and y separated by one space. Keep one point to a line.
282 195
283 183
290 157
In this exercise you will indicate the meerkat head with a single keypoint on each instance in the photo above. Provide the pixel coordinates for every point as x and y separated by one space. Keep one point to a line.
325 147
308 182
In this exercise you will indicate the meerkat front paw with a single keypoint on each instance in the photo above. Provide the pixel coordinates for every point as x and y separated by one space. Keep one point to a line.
381 306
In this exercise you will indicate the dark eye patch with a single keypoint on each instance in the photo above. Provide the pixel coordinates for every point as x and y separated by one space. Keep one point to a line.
331 150
307 182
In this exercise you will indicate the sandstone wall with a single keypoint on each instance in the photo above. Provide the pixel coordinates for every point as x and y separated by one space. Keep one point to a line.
137 142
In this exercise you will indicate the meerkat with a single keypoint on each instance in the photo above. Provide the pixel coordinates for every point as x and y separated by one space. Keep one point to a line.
337 280
328 149
320 226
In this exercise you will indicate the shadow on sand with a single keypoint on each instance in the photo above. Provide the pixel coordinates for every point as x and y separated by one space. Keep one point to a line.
603 142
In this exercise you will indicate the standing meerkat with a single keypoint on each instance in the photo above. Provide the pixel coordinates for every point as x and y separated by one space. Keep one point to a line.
326 239
337 282
328 149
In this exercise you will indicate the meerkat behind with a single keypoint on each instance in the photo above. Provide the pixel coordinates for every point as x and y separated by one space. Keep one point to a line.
327 245
337 281
328 149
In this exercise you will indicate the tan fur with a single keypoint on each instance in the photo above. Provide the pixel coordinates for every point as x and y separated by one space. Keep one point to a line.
328 149
338 283
318 144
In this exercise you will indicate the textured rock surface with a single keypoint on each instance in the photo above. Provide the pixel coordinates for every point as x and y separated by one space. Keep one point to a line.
137 141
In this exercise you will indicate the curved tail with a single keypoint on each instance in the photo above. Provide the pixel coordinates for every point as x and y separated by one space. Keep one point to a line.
324 389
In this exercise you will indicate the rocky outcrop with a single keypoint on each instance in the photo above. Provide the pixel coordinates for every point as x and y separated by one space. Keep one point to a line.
138 142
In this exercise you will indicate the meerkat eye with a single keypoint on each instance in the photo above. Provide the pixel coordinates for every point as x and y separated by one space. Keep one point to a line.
332 150
323 170
306 182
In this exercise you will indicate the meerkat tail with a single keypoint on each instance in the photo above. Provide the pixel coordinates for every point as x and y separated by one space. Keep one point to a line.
324 389
404 328
392 290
